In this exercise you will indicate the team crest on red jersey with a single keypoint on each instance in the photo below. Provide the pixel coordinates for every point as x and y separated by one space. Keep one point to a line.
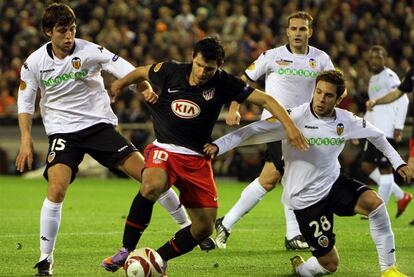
76 62
209 94
185 108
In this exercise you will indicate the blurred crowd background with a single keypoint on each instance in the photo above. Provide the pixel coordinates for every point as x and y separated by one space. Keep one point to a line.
146 31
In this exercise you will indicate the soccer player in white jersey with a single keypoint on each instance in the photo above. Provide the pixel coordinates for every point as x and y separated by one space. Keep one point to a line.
390 119
78 119
290 72
313 185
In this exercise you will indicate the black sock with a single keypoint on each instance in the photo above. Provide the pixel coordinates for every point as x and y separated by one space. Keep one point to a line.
183 242
137 221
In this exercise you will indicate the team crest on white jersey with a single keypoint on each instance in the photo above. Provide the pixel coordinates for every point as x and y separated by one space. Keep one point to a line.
209 93
312 63
185 108
76 62
339 129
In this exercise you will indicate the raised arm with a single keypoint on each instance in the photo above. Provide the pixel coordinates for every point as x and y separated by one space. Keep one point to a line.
293 134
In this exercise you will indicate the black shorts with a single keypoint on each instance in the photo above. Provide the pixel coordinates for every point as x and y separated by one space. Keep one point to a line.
274 154
101 141
372 155
316 222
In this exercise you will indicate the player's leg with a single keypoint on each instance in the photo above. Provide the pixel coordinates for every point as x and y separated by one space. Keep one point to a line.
324 265
154 182
133 165
370 204
62 163
252 194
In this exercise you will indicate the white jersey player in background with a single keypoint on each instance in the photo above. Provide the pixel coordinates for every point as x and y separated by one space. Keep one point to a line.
77 117
390 119
290 72
313 185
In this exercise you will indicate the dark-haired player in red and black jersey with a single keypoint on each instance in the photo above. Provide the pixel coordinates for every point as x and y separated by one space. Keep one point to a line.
192 96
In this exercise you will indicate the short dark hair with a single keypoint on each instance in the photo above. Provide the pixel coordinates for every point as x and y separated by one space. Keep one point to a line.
57 14
301 15
378 48
334 77
210 48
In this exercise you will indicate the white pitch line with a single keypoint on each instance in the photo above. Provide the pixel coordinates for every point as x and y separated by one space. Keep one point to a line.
61 234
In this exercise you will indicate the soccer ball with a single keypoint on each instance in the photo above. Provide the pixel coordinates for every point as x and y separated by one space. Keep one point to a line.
143 262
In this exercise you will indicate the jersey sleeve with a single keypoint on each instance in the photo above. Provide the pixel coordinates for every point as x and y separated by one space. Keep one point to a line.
327 62
114 64
26 97
234 88
407 83
158 72
258 132
360 128
257 69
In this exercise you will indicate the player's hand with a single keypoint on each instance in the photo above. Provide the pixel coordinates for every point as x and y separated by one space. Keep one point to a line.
397 135
233 118
370 104
25 156
210 149
405 172
296 138
150 96
116 88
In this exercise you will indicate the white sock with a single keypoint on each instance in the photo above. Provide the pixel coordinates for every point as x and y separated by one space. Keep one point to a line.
311 268
397 191
383 237
50 217
375 175
169 200
385 186
249 198
292 226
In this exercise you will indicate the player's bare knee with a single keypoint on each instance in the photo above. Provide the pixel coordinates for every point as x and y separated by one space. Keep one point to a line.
368 202
367 168
329 263
201 231
151 190
56 192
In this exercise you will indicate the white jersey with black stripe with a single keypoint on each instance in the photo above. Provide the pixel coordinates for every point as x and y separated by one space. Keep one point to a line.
309 175
289 78
72 92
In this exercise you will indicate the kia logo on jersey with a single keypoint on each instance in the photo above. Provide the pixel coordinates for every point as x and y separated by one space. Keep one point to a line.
185 108
76 62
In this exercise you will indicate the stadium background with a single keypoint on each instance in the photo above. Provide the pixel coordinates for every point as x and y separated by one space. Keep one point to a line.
144 31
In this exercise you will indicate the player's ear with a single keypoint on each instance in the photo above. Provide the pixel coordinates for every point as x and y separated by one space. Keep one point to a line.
220 62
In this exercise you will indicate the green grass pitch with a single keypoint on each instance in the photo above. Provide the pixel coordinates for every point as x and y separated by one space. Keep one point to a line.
93 220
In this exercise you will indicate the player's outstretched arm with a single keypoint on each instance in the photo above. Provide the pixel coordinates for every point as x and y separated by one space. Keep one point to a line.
233 117
388 98
293 134
25 154
138 75
146 89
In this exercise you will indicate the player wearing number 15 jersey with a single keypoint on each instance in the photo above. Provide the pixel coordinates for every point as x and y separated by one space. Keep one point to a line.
77 116
313 185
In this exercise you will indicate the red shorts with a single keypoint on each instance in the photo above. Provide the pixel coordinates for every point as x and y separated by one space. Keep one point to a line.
411 147
191 174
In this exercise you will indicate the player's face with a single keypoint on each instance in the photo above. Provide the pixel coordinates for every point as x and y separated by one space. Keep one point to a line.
298 33
376 61
324 99
63 37
202 70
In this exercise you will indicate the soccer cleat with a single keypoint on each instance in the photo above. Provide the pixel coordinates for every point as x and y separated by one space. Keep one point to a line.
403 203
207 244
44 267
393 272
296 262
222 234
296 243
164 268
116 261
